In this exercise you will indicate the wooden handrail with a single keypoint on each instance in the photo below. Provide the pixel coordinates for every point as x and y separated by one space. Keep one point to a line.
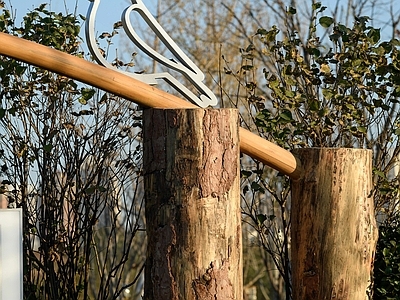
131 89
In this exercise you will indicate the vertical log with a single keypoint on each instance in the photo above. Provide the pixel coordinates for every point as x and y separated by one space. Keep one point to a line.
334 231
193 222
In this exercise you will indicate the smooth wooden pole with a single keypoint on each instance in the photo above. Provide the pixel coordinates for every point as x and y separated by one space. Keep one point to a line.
137 91
333 229
193 216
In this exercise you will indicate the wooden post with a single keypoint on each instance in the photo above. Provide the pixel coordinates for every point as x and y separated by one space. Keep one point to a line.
193 221
334 231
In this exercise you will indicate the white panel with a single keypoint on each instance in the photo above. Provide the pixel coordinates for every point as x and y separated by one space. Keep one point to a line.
11 254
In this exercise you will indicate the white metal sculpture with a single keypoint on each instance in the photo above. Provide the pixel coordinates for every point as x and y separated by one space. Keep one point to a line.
181 63
11 266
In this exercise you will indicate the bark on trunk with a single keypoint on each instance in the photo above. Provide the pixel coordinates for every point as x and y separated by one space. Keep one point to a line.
193 222
334 230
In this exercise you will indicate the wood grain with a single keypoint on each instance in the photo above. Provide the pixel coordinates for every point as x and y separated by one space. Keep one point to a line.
193 216
334 231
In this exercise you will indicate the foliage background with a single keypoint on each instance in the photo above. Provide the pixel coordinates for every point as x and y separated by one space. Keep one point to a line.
301 75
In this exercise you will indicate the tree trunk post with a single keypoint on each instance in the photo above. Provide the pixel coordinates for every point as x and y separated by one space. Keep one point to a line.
193 221
333 231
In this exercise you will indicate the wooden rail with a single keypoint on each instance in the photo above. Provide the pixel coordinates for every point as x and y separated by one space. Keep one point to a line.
139 92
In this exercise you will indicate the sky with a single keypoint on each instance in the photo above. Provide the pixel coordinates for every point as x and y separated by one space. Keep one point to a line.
108 13
110 10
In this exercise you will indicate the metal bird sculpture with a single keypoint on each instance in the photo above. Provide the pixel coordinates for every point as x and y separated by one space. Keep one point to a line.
181 63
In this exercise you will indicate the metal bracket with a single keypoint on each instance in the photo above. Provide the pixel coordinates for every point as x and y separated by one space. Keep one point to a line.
181 64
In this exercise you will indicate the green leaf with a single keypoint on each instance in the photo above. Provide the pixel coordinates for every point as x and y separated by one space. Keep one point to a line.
327 93
374 35
291 10
250 48
245 174
101 189
316 5
2 113
362 129
379 173
386 252
261 219
41 7
48 148
103 98
274 83
261 31
90 190
315 52
82 100
255 186
286 115
326 21
329 121
387 46
289 94
247 67
395 42
245 189
87 94
12 111
314 105
271 35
